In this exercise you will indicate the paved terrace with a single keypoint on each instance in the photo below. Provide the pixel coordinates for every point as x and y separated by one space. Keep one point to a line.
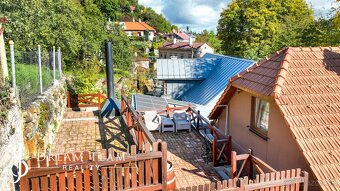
186 151
82 131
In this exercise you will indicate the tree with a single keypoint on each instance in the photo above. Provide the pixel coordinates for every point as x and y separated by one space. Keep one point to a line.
120 11
155 20
78 29
121 48
210 38
256 28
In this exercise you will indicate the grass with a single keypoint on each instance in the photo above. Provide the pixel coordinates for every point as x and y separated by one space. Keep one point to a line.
27 81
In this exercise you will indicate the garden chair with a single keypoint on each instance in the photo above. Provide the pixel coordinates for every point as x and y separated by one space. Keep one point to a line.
181 121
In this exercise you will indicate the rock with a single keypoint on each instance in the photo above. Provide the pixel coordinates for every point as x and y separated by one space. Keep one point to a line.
29 130
28 117
34 109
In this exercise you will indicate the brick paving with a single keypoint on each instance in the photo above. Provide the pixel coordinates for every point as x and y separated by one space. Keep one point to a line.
83 131
185 151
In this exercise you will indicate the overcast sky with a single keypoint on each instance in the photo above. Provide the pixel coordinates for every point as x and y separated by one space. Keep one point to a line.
204 14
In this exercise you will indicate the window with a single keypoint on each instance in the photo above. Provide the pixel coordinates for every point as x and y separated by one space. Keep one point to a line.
260 117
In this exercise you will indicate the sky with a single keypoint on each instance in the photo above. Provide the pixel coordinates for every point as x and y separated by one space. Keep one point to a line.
204 14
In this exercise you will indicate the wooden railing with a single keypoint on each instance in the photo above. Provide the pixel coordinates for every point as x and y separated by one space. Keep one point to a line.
84 100
136 126
249 164
104 171
221 144
292 180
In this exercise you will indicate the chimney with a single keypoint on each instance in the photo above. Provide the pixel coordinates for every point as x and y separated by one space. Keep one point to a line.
133 19
111 106
139 20
190 41
175 40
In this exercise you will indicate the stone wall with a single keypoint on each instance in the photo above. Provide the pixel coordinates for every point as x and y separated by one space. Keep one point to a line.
25 133
11 147
42 119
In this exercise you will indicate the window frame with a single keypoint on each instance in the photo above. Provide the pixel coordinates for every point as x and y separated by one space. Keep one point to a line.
254 117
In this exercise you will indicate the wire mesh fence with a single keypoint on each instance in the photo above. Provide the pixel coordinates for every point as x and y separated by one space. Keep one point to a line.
30 80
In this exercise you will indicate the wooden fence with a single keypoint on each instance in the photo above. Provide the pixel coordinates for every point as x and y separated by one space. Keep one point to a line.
84 100
292 180
136 126
92 171
250 164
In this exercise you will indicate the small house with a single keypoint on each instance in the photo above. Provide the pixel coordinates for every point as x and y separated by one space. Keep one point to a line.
286 108
139 29
200 81
182 50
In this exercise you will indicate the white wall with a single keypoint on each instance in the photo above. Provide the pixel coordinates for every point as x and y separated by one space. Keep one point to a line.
204 49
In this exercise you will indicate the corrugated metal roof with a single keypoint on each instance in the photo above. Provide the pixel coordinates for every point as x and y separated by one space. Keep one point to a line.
218 79
152 103
200 68
148 103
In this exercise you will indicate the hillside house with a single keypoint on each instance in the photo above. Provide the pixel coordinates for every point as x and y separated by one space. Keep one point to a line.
138 29
287 110
180 36
184 49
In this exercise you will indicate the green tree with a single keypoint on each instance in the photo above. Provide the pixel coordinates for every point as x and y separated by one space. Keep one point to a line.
256 28
77 29
121 49
156 20
210 38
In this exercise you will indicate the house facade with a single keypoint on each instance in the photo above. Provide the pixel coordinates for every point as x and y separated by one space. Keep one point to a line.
182 50
138 29
180 36
286 109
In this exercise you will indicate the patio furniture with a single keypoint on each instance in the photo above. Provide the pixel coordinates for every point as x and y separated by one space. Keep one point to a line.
152 120
181 121
167 124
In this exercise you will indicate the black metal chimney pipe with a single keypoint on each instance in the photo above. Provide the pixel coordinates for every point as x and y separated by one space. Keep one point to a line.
109 70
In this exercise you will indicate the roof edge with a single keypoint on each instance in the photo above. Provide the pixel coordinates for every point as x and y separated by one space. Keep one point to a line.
282 73
231 57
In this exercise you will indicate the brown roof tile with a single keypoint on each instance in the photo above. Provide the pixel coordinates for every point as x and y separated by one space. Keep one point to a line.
181 45
305 84
137 26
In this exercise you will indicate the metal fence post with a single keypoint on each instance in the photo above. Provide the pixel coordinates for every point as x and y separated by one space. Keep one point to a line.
11 49
59 62
53 61
40 72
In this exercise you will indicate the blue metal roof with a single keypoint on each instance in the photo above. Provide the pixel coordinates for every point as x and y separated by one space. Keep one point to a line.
218 79
175 69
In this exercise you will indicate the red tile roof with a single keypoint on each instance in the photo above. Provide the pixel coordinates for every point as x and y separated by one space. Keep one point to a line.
137 26
181 45
182 35
305 84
